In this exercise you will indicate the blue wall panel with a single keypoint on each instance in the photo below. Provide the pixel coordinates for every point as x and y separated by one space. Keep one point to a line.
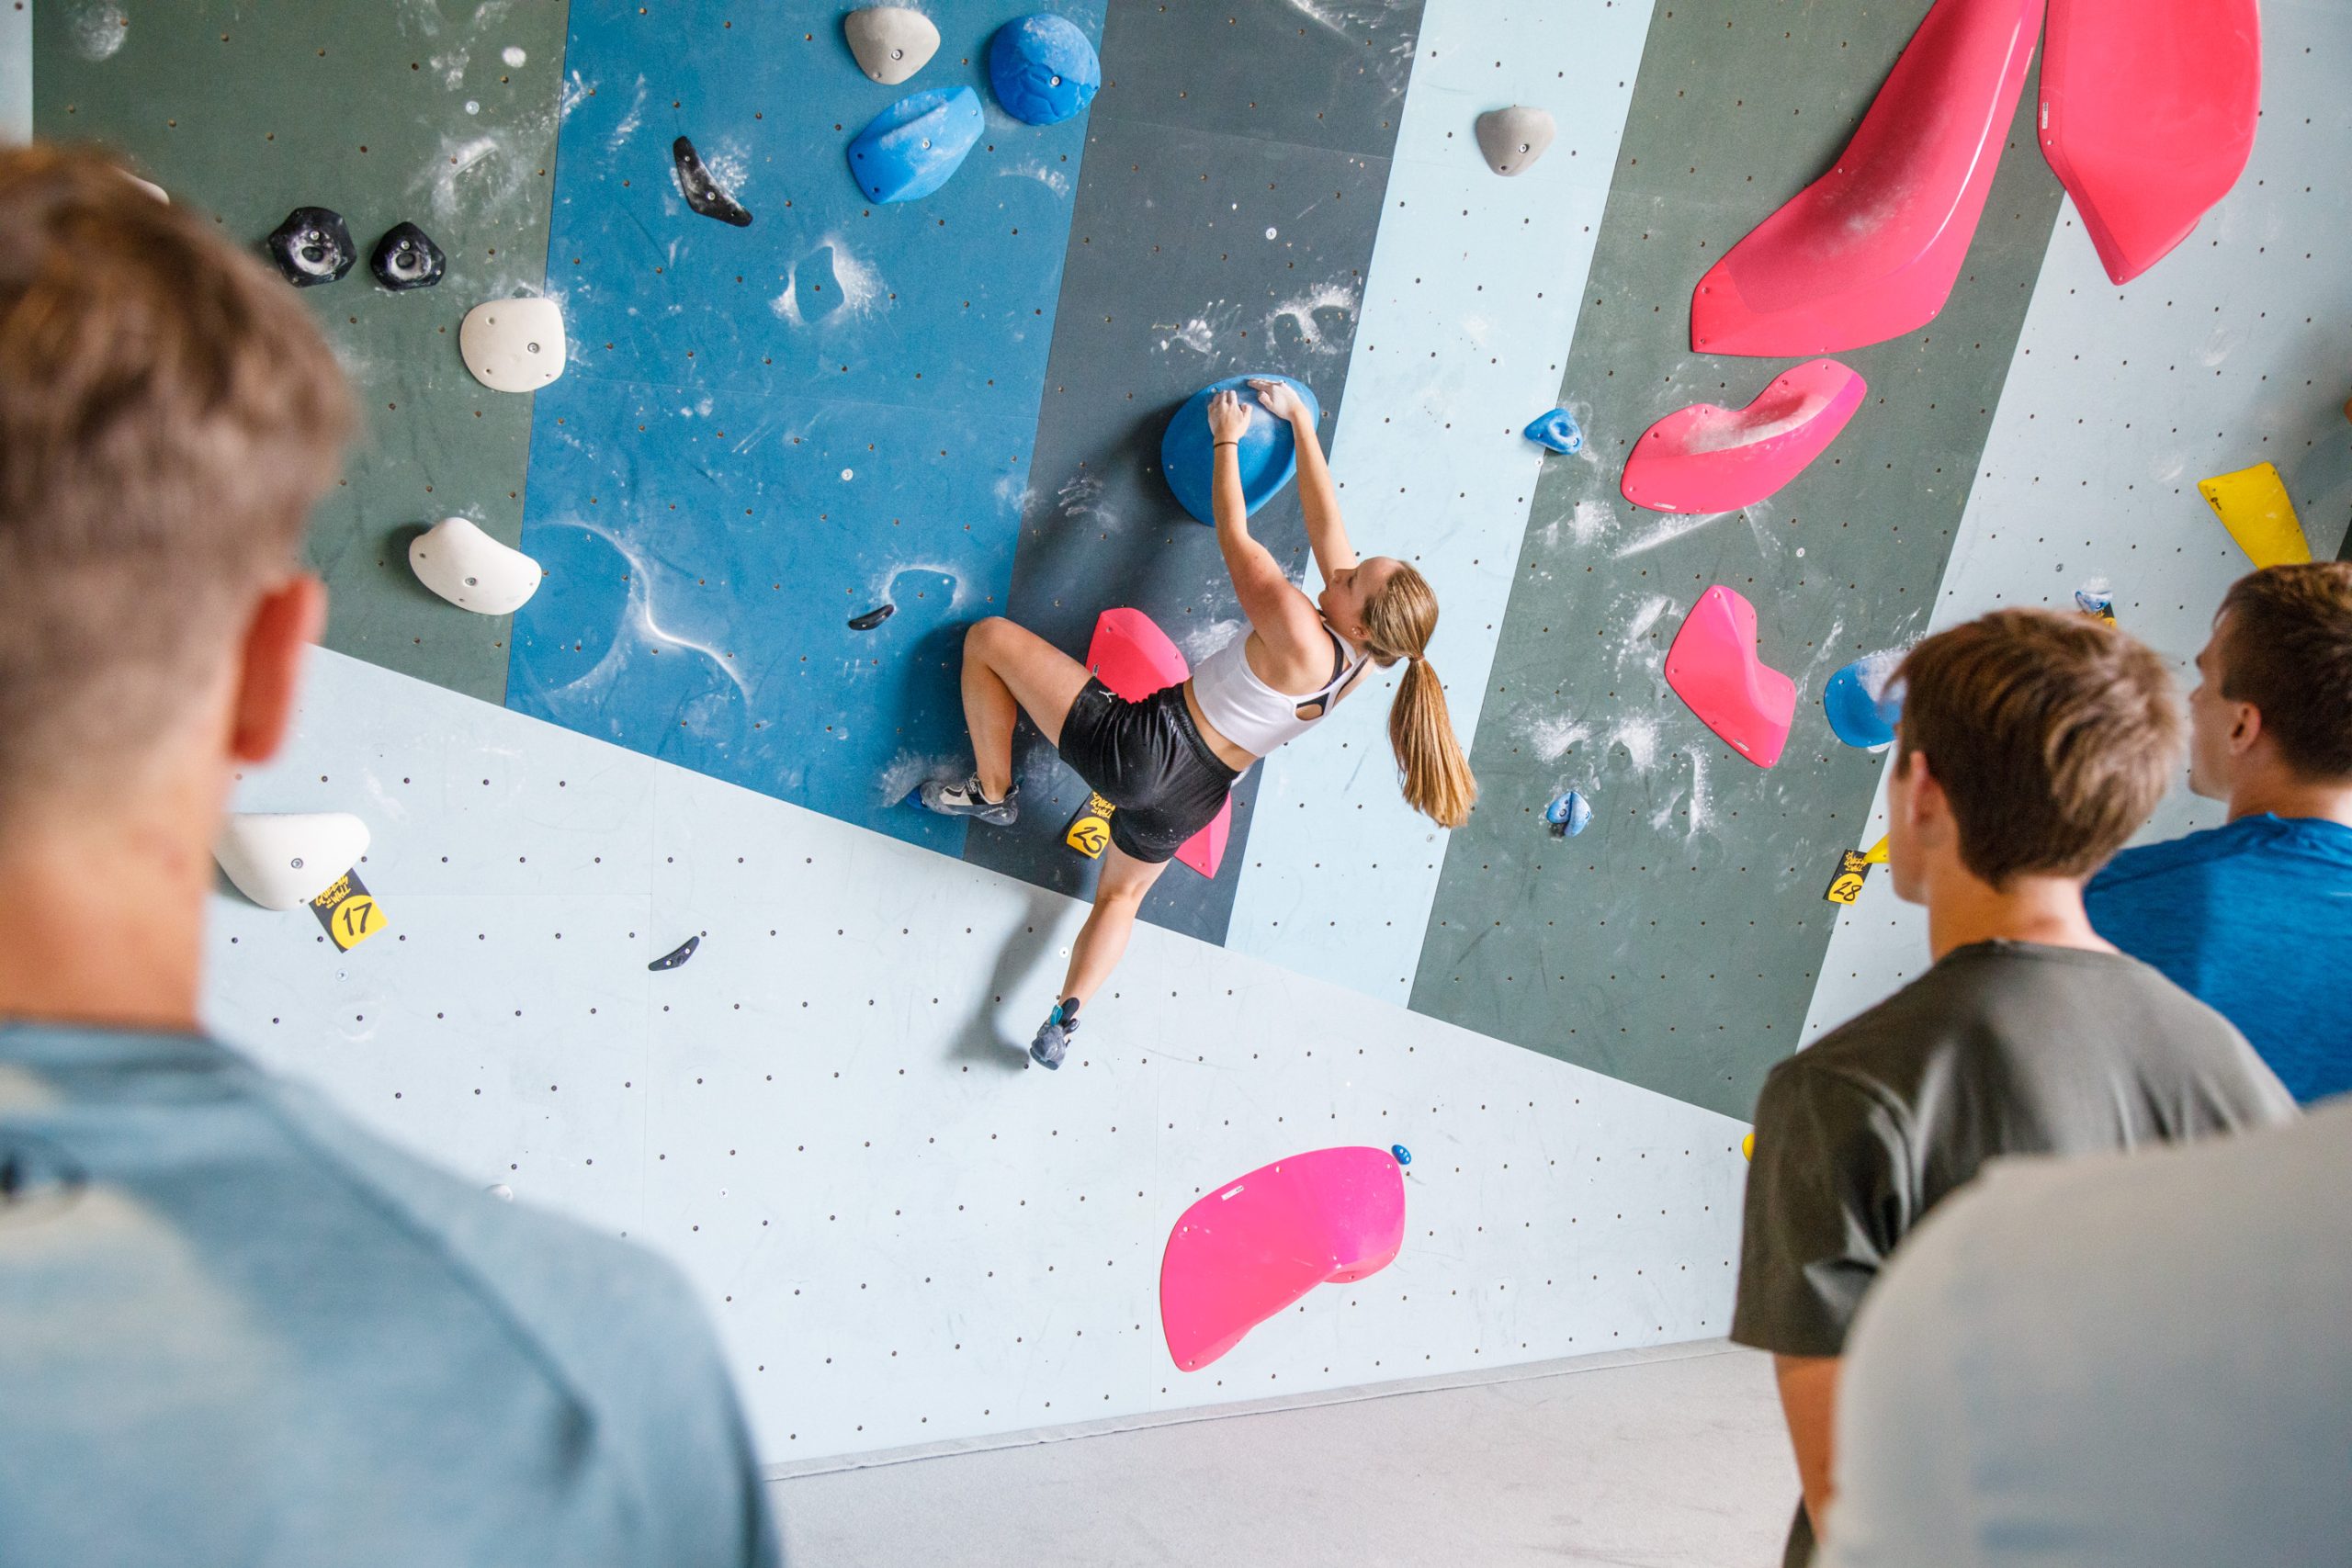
767 431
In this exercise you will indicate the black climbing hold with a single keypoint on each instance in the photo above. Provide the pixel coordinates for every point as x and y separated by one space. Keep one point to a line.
676 956
313 246
703 194
1404 1155
406 258
872 618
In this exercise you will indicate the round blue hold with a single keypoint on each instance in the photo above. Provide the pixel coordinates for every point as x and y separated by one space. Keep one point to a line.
1569 814
1857 717
1268 456
1404 1155
1557 429
909 149
1043 69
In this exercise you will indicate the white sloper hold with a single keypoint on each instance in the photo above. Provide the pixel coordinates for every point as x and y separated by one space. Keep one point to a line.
513 346
281 861
891 43
1513 139
472 570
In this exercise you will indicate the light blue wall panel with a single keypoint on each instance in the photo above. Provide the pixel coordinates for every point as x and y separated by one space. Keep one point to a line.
906 1233
1467 317
16 73
2235 349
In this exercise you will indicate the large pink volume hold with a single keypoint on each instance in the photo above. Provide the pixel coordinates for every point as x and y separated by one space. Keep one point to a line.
1870 249
1707 457
1132 656
2148 108
1714 667
1250 1249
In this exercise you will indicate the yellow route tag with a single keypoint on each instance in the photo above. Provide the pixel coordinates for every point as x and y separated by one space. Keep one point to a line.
1090 831
1853 870
349 912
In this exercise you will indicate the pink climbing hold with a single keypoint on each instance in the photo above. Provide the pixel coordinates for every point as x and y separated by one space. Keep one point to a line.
1132 656
1706 457
1250 1249
2148 109
1869 251
1714 667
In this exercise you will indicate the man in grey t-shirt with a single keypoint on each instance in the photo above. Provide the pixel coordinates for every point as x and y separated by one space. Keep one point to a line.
2030 746
234 1329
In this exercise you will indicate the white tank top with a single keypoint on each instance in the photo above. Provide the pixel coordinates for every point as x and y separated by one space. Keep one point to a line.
1253 715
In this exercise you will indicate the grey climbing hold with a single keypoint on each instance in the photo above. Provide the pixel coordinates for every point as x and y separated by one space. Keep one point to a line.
676 956
407 258
1044 69
909 149
703 191
313 246
1557 429
891 43
1514 137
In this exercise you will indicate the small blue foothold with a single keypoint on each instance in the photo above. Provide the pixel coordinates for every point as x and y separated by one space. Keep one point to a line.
1268 453
1043 69
1862 704
1569 814
909 149
1556 429
1404 1155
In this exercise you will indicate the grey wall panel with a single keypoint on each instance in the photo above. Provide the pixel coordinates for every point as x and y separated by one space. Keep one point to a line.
1234 171
1675 942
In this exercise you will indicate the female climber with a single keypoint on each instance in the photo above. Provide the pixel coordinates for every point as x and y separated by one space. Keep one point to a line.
1167 762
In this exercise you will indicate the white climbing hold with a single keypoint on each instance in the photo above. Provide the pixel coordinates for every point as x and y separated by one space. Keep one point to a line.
513 346
500 1190
281 861
891 43
1513 139
150 186
472 570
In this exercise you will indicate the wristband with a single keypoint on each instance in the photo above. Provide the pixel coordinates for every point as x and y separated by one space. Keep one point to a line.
1215 445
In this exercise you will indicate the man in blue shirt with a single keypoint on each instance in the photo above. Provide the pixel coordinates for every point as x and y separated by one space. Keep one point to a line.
235 1329
2254 918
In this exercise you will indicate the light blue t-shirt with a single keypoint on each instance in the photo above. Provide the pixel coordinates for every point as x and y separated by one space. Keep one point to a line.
2255 919
2121 1361
236 1329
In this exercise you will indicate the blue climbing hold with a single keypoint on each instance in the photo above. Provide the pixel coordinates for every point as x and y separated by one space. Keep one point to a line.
1268 456
1043 69
1569 814
909 149
1861 701
1404 1155
1557 429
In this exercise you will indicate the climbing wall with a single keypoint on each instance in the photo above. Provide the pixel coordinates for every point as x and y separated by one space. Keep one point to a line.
906 1233
2233 350
1675 943
1240 154
770 431
440 115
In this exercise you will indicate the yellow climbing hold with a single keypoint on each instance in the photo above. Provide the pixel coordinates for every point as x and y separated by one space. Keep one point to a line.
2253 505
1748 1148
1876 853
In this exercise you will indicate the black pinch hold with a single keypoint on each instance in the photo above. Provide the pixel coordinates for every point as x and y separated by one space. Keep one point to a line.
313 246
407 258
872 618
703 193
676 956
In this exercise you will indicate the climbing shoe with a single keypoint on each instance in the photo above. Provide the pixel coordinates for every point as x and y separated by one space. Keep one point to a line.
964 800
1052 1041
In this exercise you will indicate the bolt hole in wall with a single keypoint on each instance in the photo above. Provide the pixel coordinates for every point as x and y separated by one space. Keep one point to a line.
802 435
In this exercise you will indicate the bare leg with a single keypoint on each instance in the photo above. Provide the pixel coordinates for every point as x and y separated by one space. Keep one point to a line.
1009 670
1102 942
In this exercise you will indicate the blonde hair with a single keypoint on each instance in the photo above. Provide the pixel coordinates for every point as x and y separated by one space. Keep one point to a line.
1430 768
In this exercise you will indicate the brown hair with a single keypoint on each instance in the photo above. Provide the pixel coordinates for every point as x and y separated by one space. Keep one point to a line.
2053 735
1432 771
2286 647
168 415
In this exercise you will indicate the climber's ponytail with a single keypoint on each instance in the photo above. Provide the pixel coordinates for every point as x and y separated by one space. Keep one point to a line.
1432 770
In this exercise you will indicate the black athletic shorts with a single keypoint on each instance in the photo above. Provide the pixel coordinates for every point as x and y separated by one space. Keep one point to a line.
1149 760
